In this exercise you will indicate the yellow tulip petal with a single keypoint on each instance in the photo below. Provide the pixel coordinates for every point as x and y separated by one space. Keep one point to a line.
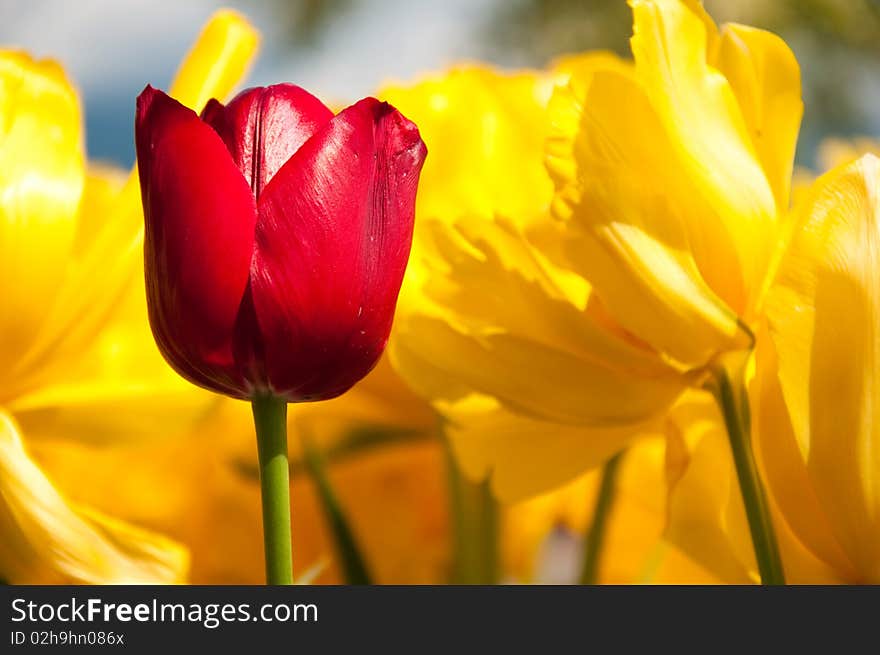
711 141
219 59
786 476
564 111
525 456
764 75
636 246
48 540
492 121
514 280
536 380
41 182
580 66
54 343
490 316
634 549
823 315
103 185
118 389
706 517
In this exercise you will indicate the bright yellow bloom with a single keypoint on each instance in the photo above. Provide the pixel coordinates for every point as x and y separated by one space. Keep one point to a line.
674 176
76 361
511 348
550 345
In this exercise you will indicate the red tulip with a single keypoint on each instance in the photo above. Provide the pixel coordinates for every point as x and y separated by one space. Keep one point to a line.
277 236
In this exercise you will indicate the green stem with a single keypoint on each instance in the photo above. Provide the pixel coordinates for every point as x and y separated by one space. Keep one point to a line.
475 525
353 564
595 537
734 406
487 539
270 421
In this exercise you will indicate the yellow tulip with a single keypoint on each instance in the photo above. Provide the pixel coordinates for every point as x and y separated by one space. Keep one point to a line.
77 362
483 308
673 175
672 179
818 418
550 347
505 343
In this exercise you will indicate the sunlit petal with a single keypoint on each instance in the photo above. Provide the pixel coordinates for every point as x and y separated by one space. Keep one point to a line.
46 539
41 182
824 315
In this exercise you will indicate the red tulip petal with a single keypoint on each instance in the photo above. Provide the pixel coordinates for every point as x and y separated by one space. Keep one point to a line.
264 126
199 237
334 230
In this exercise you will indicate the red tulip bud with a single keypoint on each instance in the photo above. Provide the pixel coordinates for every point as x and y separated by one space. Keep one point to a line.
277 236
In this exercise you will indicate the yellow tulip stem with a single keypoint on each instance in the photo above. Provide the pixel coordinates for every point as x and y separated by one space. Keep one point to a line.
475 522
595 537
734 406
270 421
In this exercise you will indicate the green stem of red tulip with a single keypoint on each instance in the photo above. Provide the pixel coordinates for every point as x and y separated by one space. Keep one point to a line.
270 420
734 405
595 537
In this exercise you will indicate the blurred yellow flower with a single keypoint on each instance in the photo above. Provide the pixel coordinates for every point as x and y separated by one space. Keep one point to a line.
384 460
835 151
47 540
634 551
76 362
